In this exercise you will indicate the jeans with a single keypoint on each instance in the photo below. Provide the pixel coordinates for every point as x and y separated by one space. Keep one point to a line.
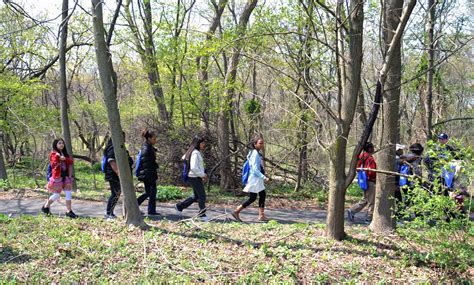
253 196
199 195
115 194
150 192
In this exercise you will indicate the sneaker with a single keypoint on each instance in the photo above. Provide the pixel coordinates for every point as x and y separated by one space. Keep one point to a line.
110 217
204 218
350 215
368 221
45 210
153 214
71 215
177 211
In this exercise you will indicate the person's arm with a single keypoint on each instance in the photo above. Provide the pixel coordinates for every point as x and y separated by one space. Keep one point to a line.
113 165
194 165
255 164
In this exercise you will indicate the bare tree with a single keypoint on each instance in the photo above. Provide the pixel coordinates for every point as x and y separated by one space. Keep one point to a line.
63 80
108 80
227 181
146 49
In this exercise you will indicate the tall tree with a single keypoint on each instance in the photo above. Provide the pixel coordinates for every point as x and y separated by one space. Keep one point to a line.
203 63
108 80
386 184
227 181
431 54
63 79
350 64
145 47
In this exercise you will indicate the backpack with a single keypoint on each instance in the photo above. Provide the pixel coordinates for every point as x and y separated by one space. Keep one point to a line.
362 179
185 172
49 172
137 165
448 176
404 169
103 163
245 172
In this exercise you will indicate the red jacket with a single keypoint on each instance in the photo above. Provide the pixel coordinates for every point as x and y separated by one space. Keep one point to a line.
57 164
369 162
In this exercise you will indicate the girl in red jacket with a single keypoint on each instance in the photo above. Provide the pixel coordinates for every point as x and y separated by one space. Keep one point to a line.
61 177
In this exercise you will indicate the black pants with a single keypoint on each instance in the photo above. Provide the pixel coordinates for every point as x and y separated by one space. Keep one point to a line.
150 192
253 196
114 196
199 195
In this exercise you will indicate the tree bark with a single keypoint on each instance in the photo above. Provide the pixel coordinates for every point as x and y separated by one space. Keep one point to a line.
430 74
386 185
227 181
352 65
3 169
108 80
63 82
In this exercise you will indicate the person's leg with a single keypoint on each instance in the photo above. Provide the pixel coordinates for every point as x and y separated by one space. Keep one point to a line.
201 197
114 196
191 199
46 207
152 194
145 195
261 206
361 204
370 200
250 200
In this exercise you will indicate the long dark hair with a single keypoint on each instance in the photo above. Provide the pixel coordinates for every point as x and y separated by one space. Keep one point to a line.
194 145
55 147
146 134
253 141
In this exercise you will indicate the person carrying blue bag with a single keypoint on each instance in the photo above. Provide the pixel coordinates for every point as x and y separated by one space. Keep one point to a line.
194 174
366 182
253 178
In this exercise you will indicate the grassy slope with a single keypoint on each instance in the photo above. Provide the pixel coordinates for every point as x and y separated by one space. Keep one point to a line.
40 249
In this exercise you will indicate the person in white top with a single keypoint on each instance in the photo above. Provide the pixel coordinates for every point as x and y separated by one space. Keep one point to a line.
196 176
255 184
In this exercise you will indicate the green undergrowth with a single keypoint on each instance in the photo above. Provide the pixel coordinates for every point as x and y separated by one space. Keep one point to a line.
57 250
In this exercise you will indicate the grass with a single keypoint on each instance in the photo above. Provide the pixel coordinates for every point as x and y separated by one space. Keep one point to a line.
57 250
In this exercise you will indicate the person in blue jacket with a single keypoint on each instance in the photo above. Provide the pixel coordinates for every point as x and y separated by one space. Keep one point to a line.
255 184
147 172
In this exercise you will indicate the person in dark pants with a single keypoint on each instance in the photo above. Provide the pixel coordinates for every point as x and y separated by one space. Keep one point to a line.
112 176
147 172
196 176
255 184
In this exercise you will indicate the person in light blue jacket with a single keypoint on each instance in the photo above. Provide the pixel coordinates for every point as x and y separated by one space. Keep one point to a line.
255 184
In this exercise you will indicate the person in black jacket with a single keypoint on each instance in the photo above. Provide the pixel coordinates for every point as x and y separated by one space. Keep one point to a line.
111 175
147 172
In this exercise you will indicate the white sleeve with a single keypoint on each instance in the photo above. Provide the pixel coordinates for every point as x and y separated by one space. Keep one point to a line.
195 166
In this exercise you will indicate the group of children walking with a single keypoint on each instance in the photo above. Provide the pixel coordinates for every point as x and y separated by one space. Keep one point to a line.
406 164
61 179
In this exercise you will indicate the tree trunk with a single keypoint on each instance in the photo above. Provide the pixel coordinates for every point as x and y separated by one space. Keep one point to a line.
386 185
147 55
63 82
430 44
108 80
3 169
227 181
337 190
351 69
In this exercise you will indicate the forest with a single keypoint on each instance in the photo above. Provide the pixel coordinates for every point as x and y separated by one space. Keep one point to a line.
315 79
